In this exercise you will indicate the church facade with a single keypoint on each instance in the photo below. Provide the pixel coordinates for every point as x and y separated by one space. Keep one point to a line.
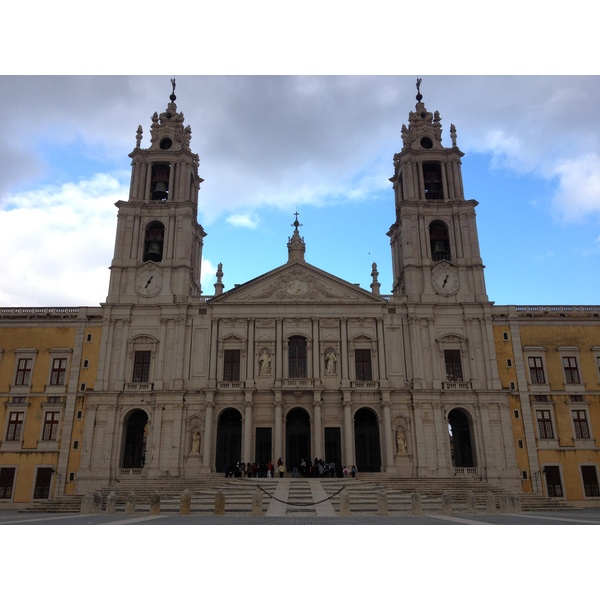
297 363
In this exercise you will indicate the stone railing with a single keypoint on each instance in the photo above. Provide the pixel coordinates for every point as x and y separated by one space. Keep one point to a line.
465 471
40 312
456 385
138 387
230 385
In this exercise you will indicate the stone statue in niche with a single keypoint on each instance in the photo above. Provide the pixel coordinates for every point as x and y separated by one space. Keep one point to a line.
330 360
195 443
401 443
265 363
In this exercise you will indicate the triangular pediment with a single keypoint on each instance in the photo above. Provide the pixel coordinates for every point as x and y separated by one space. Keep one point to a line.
297 283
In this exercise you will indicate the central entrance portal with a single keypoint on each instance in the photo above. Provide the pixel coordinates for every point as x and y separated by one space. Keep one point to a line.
297 430
229 439
366 440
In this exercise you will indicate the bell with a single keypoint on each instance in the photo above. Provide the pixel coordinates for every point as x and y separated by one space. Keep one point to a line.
439 246
154 252
160 191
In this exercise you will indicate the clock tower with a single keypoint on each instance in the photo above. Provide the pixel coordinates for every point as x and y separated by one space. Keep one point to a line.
435 249
157 226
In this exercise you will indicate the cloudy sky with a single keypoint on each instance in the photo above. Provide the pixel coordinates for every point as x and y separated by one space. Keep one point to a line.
321 145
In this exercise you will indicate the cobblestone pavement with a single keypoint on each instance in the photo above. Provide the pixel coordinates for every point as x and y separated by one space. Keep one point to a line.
580 517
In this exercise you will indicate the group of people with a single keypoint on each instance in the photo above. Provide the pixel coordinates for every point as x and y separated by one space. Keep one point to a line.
303 468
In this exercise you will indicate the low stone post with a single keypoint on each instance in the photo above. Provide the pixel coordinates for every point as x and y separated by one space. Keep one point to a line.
97 503
505 506
87 503
111 503
219 503
185 507
130 504
155 503
345 503
416 505
446 504
257 503
490 503
515 501
471 503
382 504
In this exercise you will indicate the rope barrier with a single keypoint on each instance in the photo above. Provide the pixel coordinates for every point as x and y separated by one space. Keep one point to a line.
301 503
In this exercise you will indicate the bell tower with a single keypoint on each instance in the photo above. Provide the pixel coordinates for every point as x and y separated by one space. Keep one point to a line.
434 242
158 248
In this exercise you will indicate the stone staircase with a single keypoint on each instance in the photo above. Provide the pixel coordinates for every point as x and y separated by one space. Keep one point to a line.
300 495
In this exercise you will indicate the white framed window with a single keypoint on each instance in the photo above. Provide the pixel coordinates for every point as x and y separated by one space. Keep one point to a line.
544 423
580 424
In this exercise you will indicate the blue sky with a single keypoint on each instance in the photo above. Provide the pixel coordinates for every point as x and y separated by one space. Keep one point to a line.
321 145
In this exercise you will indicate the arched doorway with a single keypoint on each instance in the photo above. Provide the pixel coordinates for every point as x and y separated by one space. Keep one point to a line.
366 441
136 431
461 438
229 439
297 437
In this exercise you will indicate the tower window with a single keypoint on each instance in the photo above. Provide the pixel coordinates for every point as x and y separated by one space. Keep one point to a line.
453 365
297 357
153 243
141 366
439 241
432 178
362 363
159 183
231 365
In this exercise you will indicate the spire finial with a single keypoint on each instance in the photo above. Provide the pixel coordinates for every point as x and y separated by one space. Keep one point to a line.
419 95
296 223
173 97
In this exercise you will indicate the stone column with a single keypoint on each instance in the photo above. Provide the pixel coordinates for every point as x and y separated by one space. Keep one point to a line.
278 349
248 427
388 434
208 421
278 433
317 432
124 344
348 459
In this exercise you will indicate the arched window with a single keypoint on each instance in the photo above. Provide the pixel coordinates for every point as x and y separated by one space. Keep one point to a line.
432 178
153 242
159 183
439 241
297 357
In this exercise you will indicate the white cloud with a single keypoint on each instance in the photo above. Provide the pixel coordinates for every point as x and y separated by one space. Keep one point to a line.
246 221
59 243
578 194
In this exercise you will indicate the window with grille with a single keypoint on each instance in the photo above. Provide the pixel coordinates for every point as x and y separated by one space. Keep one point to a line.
536 370
15 426
59 370
580 424
570 368
141 366
24 366
544 422
231 365
363 365
297 357
590 480
50 432
453 365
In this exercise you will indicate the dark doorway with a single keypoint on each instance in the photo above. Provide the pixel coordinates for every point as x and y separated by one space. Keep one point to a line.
229 439
134 453
263 445
297 428
590 480
553 482
333 445
43 479
461 439
366 441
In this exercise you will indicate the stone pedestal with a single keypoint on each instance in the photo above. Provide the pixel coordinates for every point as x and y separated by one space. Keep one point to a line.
471 503
345 503
130 504
186 503
155 503
219 503
382 504
111 503
446 504
490 503
257 504
416 506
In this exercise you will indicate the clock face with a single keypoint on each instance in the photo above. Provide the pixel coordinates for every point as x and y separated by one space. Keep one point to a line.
148 282
445 282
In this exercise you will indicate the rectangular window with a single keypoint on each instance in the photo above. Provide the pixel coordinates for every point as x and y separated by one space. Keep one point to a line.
544 424
231 365
580 424
553 482
536 370
15 426
59 370
24 371
363 365
571 371
42 482
297 357
453 365
576 398
141 366
590 480
7 480
50 426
